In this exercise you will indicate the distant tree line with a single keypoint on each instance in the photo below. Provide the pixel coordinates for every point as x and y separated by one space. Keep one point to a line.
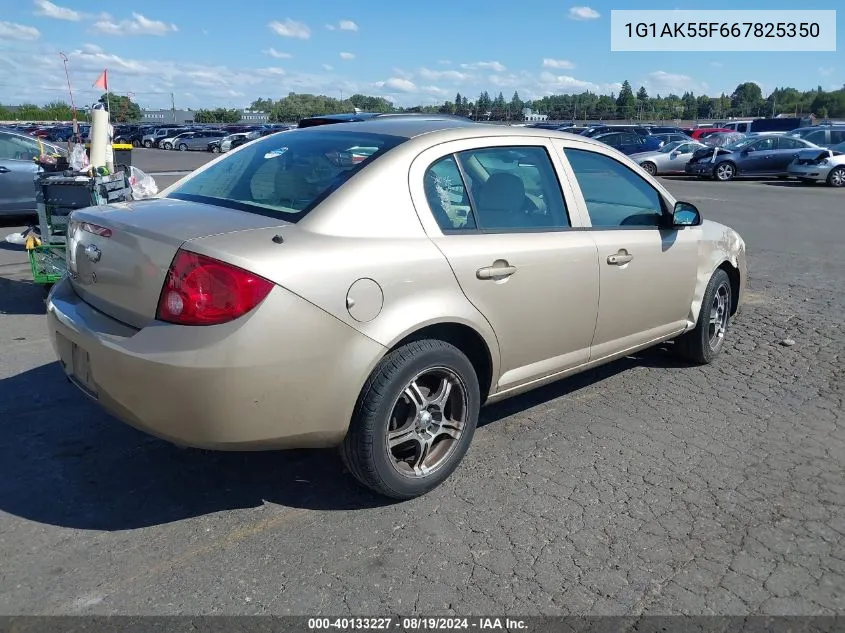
746 101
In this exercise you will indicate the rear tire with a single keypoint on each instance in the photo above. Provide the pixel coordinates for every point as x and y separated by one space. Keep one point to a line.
148 144
836 177
409 431
215 149
136 143
183 147
703 343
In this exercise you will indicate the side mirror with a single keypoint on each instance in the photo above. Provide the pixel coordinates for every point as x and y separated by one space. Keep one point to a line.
675 154
685 214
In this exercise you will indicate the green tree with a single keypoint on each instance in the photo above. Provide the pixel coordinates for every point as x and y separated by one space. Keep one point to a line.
642 95
515 107
626 102
747 99
122 108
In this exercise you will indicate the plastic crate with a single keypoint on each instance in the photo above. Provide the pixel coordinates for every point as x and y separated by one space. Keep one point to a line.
48 263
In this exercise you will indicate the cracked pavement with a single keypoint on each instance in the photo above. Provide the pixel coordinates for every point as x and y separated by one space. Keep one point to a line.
644 487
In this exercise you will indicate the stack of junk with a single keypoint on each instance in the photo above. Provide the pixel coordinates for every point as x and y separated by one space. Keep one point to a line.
90 174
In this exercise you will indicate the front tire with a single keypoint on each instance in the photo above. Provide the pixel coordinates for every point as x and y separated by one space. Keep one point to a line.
414 419
836 177
167 146
702 344
725 171
215 149
650 168
148 144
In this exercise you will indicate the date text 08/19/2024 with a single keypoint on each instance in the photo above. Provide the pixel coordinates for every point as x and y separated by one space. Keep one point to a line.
415 624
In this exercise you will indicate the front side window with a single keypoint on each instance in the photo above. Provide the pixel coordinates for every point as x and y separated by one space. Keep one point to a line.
496 189
615 196
286 176
765 145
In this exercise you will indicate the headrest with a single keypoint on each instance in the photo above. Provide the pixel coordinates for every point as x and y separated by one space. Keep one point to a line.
502 191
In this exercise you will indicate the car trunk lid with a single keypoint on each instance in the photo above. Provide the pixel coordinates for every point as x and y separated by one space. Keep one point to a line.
118 255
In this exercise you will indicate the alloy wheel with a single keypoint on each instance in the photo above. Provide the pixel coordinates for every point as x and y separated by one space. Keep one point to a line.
427 422
720 310
725 171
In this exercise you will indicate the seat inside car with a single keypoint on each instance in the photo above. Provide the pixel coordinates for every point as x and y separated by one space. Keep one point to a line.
501 202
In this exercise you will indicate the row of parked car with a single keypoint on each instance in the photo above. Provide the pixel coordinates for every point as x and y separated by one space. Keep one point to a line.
809 153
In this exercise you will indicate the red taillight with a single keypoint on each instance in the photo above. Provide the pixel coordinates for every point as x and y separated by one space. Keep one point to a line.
200 290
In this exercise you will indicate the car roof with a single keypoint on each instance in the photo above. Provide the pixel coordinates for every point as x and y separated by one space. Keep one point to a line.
446 129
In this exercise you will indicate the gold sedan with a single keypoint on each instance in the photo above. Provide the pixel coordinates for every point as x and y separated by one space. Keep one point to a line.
371 285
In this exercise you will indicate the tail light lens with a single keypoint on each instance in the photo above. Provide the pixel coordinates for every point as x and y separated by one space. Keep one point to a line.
200 290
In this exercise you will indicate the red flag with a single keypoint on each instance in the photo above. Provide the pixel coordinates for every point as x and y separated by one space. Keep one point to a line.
102 81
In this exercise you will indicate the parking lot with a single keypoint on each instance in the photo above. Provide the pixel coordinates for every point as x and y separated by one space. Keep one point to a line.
646 486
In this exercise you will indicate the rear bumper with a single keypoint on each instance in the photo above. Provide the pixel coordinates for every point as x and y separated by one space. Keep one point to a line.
286 375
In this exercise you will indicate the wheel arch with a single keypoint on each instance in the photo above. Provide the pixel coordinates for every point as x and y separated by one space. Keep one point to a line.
464 337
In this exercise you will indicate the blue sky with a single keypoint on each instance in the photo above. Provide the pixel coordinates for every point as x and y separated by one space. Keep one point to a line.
214 54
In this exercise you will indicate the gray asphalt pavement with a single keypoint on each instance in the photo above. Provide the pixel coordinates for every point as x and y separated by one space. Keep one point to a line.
646 486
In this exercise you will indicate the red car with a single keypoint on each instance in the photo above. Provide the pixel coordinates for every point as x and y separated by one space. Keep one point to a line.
703 132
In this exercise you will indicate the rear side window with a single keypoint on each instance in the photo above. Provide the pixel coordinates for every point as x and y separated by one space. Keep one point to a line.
501 189
837 136
286 176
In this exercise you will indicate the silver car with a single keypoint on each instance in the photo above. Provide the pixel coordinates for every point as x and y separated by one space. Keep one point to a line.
17 170
669 159
820 165
196 140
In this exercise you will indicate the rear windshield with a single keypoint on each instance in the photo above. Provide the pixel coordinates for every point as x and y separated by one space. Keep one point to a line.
286 175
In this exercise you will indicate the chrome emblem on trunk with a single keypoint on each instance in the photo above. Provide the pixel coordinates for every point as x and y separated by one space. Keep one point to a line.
93 253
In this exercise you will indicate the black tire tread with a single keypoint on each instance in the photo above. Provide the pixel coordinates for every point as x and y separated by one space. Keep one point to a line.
357 449
693 345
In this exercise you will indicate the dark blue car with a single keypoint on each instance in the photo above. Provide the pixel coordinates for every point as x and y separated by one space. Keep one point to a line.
629 142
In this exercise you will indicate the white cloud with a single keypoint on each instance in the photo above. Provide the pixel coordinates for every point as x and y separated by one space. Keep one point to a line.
827 71
343 25
273 71
494 66
47 9
18 31
328 67
583 13
663 83
92 48
138 25
563 64
397 84
347 55
291 28
450 75
272 52
552 84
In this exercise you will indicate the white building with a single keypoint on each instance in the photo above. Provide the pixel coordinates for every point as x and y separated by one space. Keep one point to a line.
529 115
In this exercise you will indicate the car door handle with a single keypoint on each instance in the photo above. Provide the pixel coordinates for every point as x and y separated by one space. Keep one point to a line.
619 258
495 272
4 170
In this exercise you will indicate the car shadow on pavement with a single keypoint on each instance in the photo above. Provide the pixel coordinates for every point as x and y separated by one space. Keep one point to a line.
660 356
65 462
21 297
792 184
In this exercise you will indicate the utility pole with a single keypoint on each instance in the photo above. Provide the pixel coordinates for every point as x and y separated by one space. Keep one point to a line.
173 107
